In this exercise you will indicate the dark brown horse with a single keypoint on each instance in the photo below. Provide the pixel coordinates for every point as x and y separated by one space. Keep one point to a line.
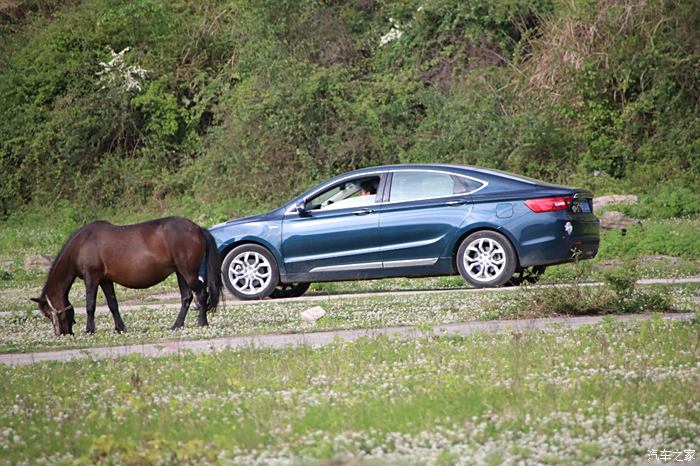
135 256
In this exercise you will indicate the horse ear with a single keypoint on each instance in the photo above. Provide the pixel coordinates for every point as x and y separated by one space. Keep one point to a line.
39 300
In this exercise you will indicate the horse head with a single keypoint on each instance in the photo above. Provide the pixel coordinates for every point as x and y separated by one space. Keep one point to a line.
62 319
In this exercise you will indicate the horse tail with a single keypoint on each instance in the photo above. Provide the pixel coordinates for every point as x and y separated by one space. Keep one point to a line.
212 271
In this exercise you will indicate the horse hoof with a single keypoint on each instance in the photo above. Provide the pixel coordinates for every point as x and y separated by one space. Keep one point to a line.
176 327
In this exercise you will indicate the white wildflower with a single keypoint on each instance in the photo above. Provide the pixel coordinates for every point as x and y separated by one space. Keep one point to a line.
116 73
394 33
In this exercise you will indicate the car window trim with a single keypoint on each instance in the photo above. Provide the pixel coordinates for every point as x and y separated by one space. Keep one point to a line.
387 198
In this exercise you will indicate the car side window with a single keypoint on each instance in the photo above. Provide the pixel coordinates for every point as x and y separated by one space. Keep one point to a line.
355 193
415 185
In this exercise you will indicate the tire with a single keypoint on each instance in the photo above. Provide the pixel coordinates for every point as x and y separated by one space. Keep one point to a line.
250 272
529 275
289 290
486 259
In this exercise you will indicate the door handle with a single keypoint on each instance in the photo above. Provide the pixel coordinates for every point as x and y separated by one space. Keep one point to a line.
456 203
363 212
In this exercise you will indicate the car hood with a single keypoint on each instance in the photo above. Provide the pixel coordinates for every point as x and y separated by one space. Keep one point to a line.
240 221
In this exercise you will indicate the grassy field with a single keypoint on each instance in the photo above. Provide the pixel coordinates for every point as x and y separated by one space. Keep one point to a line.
606 393
30 331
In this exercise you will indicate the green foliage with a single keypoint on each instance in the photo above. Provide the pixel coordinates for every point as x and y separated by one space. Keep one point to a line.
628 298
621 295
670 237
666 202
67 117
257 100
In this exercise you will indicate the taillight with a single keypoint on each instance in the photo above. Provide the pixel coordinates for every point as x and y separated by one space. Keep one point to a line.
548 204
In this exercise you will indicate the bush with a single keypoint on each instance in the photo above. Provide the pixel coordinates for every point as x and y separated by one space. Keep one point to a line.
628 298
669 237
620 295
667 202
251 99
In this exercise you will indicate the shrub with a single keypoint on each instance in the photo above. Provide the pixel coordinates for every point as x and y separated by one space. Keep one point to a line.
258 100
666 202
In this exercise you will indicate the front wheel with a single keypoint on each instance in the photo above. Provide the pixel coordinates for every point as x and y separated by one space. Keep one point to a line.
486 258
250 272
289 290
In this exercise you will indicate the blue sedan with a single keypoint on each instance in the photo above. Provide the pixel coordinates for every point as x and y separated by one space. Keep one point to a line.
489 226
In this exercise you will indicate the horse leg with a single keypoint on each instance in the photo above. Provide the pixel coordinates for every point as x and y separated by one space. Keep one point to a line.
200 292
108 290
201 295
90 303
185 300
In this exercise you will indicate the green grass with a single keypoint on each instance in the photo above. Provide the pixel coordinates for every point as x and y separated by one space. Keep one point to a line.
674 237
606 393
29 331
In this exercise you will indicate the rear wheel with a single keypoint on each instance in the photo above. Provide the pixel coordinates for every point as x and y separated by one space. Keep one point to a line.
486 258
289 290
250 272
529 275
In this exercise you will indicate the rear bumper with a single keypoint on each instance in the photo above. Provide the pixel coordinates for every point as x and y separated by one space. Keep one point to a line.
561 238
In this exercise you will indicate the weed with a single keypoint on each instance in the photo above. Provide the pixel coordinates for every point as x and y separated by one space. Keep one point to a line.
627 297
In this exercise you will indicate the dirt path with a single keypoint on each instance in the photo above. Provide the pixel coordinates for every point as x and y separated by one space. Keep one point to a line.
314 339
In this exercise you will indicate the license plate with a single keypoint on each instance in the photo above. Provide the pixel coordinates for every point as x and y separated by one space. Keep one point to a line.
581 206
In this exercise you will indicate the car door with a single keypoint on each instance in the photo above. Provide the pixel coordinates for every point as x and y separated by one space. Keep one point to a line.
336 237
421 217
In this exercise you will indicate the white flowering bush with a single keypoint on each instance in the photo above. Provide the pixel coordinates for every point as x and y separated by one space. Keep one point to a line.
394 33
117 74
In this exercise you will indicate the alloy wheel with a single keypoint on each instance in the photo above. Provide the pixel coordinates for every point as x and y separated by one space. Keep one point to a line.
250 272
484 260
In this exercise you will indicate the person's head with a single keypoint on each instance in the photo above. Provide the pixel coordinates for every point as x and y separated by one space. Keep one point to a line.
368 187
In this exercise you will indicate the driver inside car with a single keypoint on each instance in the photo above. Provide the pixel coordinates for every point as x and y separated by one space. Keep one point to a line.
358 193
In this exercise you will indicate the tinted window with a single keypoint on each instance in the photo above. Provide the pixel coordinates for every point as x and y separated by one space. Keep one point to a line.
410 185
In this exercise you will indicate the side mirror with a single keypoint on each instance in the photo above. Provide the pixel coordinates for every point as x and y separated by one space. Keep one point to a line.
301 209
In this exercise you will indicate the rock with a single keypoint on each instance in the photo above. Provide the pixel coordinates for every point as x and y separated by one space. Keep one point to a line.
38 261
613 219
312 314
602 201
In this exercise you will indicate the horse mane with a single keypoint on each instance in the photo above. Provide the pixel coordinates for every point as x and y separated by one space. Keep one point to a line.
59 256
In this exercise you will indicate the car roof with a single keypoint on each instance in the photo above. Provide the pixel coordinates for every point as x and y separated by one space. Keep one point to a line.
448 167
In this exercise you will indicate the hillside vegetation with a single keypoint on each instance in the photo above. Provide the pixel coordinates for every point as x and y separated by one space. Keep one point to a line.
111 103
